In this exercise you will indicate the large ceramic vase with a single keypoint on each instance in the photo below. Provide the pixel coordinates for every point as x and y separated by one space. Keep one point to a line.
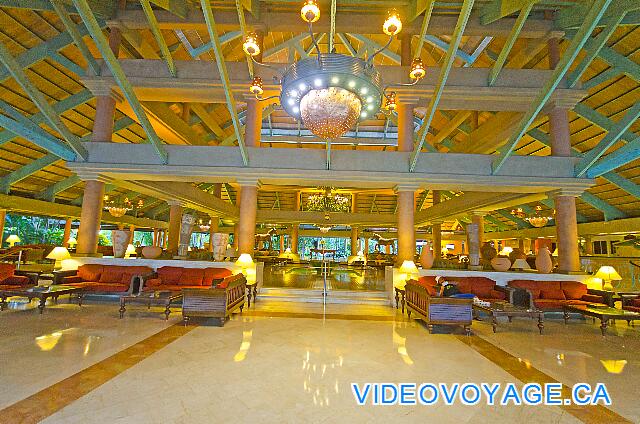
487 252
544 264
151 252
501 263
219 243
426 257
186 228
120 239
517 254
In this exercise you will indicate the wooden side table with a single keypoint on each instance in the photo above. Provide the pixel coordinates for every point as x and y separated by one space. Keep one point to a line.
400 297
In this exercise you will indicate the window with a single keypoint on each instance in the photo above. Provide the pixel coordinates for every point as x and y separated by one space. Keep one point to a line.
600 247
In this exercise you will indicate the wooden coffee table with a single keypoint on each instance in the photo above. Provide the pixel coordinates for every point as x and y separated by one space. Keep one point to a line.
41 293
604 314
155 298
508 310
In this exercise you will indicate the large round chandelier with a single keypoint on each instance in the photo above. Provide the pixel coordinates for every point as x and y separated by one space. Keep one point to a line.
118 208
538 220
328 201
331 92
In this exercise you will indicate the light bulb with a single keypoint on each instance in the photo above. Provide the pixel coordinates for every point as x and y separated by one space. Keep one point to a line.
310 11
250 45
393 24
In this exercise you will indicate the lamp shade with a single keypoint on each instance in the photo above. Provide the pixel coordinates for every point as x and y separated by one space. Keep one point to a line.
131 249
520 264
72 241
506 251
244 261
13 239
59 253
608 273
408 267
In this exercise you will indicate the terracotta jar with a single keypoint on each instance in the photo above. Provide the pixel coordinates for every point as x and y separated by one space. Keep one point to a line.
487 252
544 263
120 239
426 257
517 254
501 263
151 252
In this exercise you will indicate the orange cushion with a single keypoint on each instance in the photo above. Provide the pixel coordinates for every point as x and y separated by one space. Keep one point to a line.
20 280
71 280
224 284
573 289
111 275
632 308
211 274
530 285
549 303
6 270
170 274
480 286
554 294
153 282
427 280
192 277
497 294
90 272
107 287
635 302
126 279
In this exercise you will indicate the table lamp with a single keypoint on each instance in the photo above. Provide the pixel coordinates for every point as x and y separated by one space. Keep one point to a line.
607 274
408 270
59 254
131 250
245 262
520 264
72 242
12 240
506 251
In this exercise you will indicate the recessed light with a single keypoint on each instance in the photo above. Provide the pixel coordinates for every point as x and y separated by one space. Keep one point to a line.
317 82
291 101
335 80
363 90
352 83
302 86
295 109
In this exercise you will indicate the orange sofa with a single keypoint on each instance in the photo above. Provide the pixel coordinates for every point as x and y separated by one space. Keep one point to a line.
484 288
551 296
173 278
11 279
631 304
103 279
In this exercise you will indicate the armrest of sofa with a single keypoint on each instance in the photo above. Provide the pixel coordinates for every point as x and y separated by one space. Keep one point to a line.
606 297
145 278
32 276
630 300
58 276
593 298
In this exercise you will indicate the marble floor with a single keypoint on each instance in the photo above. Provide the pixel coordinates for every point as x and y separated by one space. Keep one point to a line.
289 362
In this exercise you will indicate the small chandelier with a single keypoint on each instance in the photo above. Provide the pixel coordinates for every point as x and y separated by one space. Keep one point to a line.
117 208
328 201
538 220
331 92
519 213
324 230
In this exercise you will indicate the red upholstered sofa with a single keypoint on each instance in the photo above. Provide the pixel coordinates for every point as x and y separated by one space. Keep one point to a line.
631 304
103 279
177 278
551 296
10 279
484 288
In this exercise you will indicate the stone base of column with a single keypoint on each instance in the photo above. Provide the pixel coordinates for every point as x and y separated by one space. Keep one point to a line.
87 255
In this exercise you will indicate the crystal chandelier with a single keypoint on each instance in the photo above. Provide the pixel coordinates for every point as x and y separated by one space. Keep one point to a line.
331 92
117 208
204 227
324 230
328 201
538 220
519 213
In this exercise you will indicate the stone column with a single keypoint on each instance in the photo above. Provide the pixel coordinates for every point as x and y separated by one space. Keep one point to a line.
406 229
254 122
294 238
405 50
588 245
90 217
405 126
366 246
282 248
476 238
248 210
566 220
567 233
296 201
354 241
67 232
354 202
132 230
175 224
92 200
436 230
212 230
521 245
3 218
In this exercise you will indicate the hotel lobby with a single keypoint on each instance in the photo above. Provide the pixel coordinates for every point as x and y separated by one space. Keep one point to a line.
319 211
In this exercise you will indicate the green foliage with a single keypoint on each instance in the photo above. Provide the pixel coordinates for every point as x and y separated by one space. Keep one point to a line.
34 229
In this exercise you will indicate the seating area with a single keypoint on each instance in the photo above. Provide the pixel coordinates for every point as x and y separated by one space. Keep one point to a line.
175 278
103 279
552 296
10 278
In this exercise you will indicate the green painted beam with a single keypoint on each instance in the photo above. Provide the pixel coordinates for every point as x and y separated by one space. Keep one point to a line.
622 156
551 205
332 24
36 135
447 63
25 171
601 121
428 10
508 44
375 47
595 13
224 76
614 134
40 101
285 45
118 74
72 29
495 221
620 62
105 9
520 223
573 17
593 47
49 193
497 9
345 41
610 212
625 184
177 7
157 35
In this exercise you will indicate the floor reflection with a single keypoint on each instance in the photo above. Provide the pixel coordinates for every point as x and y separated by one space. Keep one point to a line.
309 276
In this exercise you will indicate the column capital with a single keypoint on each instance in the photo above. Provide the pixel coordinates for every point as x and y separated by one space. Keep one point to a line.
249 182
104 89
88 175
437 222
480 213
406 187
570 192
175 202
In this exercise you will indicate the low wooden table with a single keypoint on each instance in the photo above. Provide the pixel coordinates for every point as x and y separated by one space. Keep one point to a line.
604 314
510 311
41 293
155 298
252 290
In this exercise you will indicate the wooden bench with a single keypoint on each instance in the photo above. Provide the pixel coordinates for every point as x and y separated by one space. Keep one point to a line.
438 310
215 302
